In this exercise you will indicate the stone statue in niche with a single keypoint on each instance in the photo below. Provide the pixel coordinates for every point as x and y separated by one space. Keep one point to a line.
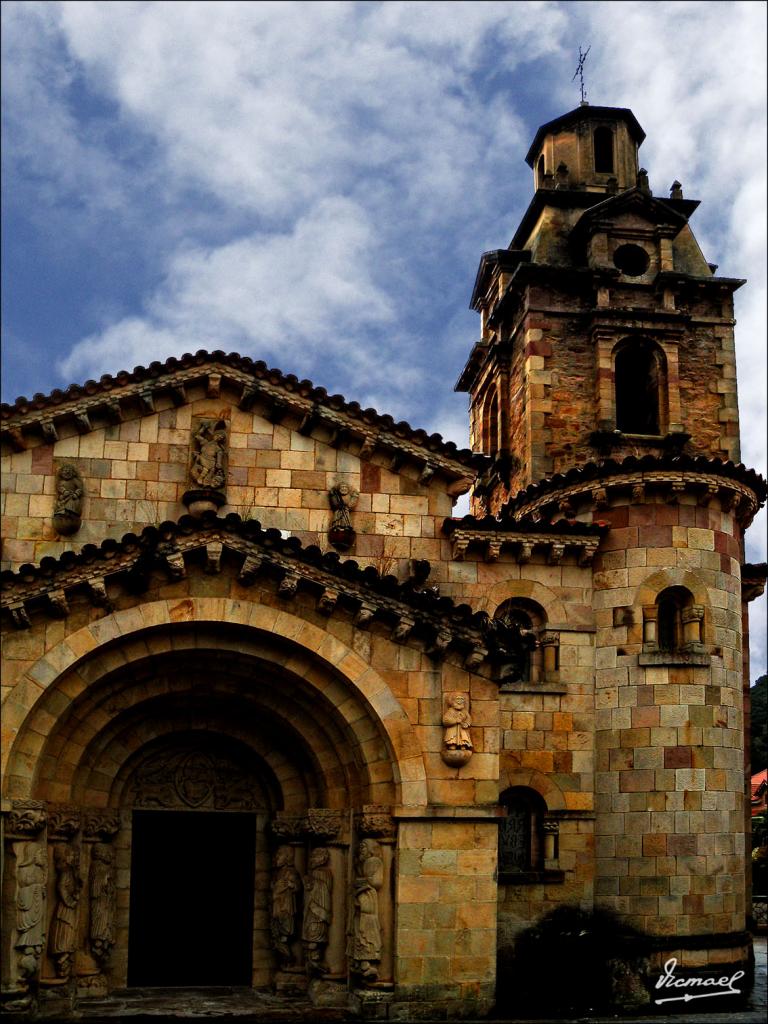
68 508
64 926
286 885
457 742
209 450
342 499
318 886
101 890
366 934
30 904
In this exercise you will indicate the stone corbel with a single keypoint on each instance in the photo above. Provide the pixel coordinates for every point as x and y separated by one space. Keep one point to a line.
525 553
50 434
493 549
147 401
475 658
97 589
709 494
368 448
213 385
677 487
403 629
556 552
82 422
425 477
439 646
326 603
249 570
364 615
459 548
213 553
288 585
19 615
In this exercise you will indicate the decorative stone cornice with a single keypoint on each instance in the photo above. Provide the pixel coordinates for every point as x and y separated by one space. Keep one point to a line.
29 422
739 490
518 539
410 611
753 578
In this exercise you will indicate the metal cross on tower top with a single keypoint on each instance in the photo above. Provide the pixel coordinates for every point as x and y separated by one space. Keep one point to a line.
580 72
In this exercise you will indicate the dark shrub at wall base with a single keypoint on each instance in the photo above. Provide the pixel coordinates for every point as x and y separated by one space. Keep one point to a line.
572 961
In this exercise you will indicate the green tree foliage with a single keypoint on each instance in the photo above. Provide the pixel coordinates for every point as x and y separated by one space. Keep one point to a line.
759 695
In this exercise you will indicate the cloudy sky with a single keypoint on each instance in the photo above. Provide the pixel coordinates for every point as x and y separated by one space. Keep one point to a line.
313 184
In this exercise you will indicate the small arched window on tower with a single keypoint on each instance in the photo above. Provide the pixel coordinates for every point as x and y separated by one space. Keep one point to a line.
540 171
528 839
603 143
640 388
673 625
537 651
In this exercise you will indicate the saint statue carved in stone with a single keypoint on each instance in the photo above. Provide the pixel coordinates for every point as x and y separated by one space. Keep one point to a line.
342 499
30 903
286 885
457 742
64 925
366 936
102 900
68 508
208 454
318 886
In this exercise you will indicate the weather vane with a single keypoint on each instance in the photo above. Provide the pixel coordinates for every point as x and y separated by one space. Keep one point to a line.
580 72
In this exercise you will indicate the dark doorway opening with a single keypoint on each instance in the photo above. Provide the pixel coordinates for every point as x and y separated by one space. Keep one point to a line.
192 885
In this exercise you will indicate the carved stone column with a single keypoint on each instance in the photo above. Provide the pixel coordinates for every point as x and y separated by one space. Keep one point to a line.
371 903
64 896
693 618
99 829
25 878
650 627
286 904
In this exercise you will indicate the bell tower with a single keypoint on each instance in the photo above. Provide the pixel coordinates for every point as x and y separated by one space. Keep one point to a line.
603 329
603 390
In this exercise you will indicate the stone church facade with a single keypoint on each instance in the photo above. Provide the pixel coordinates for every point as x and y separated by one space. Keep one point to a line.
274 718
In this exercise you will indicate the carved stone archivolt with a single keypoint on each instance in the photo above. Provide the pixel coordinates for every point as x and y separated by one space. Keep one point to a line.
457 741
68 506
195 779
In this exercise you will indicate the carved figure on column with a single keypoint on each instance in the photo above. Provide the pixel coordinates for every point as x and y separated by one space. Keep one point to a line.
68 509
318 886
102 899
30 904
342 499
64 927
366 934
286 884
208 453
457 742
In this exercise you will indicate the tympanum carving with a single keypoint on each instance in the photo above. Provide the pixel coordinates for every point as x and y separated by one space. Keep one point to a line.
69 884
318 887
366 932
457 741
194 778
286 886
101 893
30 906
68 507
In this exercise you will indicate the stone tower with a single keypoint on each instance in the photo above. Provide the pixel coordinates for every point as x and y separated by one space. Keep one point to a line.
603 387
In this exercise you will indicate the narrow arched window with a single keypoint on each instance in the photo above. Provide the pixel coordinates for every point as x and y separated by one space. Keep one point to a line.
521 840
640 378
529 620
491 425
671 604
603 142
540 172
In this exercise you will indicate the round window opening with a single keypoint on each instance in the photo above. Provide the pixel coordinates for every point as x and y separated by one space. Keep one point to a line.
631 260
